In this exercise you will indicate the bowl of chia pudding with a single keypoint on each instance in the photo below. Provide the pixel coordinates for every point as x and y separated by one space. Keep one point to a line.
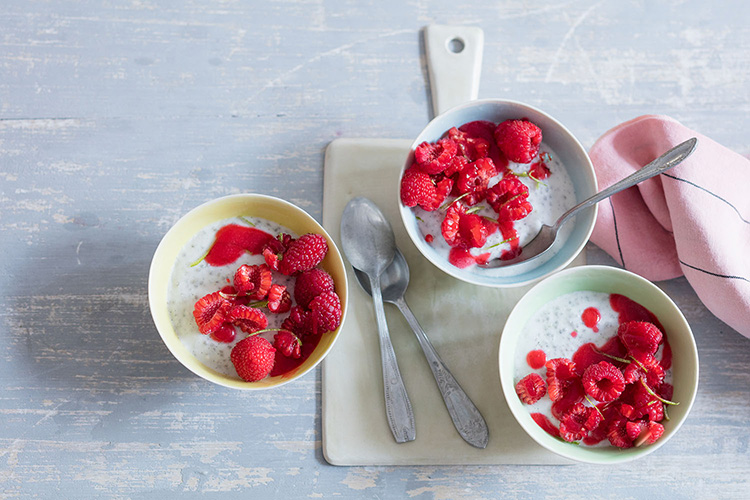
248 291
479 182
598 365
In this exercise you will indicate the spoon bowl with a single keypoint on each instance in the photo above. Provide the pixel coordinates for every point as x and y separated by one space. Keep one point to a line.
367 237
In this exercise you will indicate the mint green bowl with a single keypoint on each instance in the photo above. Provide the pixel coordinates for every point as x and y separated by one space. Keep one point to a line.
609 280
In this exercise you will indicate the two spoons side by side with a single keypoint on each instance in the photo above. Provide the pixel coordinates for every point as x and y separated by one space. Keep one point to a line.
467 419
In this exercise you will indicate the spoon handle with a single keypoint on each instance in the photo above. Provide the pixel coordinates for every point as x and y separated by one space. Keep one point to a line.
656 167
397 405
466 417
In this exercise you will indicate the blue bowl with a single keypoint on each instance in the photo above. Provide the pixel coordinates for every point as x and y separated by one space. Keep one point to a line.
570 152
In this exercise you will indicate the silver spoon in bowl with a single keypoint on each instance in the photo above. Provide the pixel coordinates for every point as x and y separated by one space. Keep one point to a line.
547 235
466 417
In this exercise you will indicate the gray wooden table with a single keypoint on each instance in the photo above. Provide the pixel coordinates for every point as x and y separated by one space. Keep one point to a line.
117 117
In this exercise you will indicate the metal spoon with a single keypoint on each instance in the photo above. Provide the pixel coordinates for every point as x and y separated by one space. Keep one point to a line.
544 240
466 417
369 244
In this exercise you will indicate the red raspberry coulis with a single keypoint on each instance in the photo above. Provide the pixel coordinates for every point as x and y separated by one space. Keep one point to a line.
591 317
486 131
232 241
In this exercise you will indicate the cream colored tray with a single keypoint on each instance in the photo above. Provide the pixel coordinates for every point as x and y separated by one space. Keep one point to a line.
463 322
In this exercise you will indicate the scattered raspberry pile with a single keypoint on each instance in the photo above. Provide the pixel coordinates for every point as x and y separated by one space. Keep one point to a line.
622 381
243 305
460 167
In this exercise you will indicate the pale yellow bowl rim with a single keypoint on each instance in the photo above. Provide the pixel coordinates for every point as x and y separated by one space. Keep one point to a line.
270 208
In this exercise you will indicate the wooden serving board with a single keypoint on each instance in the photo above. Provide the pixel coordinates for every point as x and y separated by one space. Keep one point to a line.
463 321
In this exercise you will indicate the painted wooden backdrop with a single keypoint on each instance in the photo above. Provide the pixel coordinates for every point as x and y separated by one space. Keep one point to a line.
117 117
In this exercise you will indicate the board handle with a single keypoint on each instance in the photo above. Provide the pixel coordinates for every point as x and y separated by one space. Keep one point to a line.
454 63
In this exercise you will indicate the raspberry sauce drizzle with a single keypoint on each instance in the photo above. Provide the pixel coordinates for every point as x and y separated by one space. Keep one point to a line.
232 241
591 317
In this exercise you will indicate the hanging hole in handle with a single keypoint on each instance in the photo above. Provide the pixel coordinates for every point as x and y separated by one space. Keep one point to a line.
455 45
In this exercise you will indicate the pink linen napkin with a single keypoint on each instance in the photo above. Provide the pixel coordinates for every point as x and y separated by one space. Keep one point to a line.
694 219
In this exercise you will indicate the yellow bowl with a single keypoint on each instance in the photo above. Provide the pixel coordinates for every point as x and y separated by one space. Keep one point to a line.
247 205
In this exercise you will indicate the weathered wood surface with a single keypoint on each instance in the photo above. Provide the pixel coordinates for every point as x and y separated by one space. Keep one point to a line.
117 117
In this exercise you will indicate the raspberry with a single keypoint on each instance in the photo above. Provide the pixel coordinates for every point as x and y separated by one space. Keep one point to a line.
275 247
603 381
462 229
627 411
519 140
303 254
230 293
644 366
474 179
599 432
531 388
509 198
543 422
647 405
539 171
458 164
242 281
310 284
434 158
618 434
472 230
578 421
651 434
325 310
572 394
471 148
271 257
451 223
248 319
225 333
210 312
560 373
253 281
299 321
279 299
640 336
418 188
288 344
253 358
634 429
